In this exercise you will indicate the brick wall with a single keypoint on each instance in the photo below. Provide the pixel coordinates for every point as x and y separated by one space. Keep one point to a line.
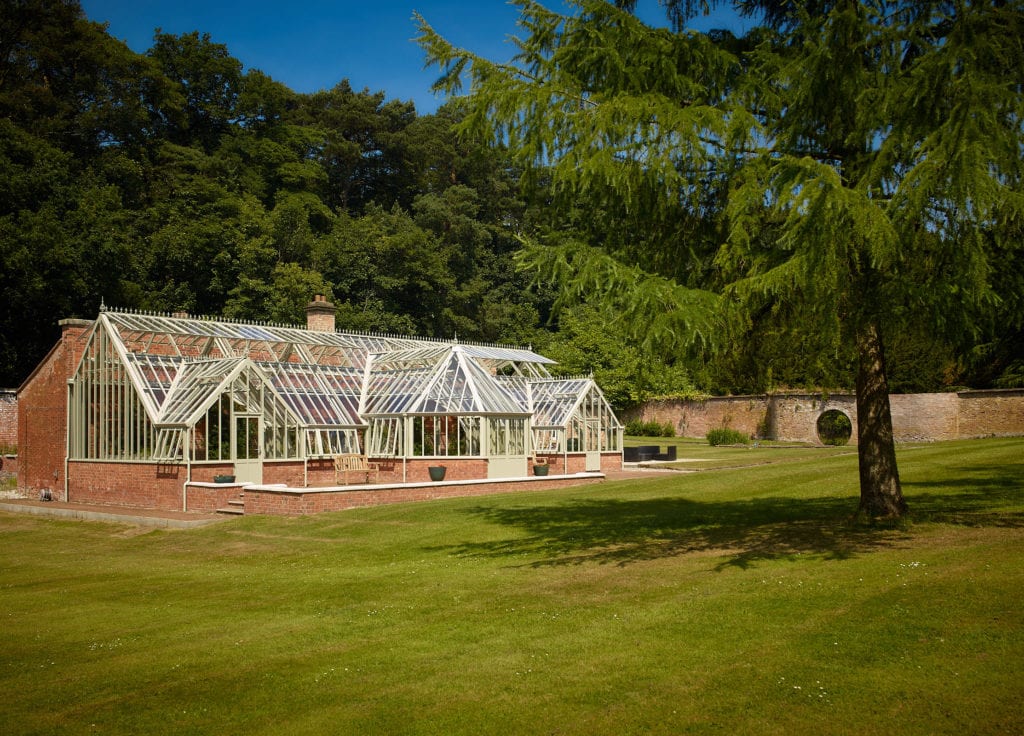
208 472
924 417
155 485
417 471
278 502
8 418
577 463
696 418
139 485
42 412
794 417
9 464
211 497
988 413
288 472
321 472
611 461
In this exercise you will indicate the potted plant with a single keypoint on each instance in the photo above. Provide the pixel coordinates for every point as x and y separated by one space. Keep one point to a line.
223 479
437 472
540 466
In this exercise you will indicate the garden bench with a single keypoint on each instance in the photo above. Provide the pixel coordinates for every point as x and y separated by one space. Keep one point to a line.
345 465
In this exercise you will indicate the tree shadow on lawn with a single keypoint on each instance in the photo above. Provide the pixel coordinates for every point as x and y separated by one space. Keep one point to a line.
744 532
970 497
623 531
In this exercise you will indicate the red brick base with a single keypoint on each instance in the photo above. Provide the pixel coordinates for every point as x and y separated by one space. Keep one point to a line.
288 488
300 501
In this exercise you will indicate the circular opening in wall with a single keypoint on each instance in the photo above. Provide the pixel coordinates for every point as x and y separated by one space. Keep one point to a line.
834 428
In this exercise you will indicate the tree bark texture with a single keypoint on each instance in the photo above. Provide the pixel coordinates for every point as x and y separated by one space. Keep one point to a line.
880 492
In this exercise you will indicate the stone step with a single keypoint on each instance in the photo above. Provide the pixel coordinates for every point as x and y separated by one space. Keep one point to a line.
233 510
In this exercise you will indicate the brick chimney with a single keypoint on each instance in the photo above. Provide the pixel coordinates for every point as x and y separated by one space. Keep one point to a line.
320 315
72 336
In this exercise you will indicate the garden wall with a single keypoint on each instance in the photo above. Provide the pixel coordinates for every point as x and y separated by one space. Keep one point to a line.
8 419
794 416
42 412
985 413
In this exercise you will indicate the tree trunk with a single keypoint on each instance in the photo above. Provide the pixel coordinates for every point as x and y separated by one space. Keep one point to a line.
880 491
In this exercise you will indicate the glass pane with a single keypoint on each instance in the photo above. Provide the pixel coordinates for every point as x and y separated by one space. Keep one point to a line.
253 437
240 440
224 423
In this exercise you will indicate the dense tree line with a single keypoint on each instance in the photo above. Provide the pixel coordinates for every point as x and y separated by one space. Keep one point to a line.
172 180
176 180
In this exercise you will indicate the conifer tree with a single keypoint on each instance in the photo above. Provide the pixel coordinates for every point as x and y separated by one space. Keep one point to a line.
869 151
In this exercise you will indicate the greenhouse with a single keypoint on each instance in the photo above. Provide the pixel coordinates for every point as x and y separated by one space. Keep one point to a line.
202 399
571 419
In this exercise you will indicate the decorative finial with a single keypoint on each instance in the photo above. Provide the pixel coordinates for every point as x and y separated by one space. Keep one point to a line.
103 305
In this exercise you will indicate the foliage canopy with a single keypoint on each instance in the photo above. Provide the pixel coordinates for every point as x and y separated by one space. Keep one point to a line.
861 160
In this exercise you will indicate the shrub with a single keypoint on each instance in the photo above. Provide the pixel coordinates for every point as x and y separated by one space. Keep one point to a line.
725 436
636 428
834 428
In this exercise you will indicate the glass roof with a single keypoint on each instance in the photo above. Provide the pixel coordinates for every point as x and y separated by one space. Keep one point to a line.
324 396
445 381
207 338
197 385
153 376
332 379
555 400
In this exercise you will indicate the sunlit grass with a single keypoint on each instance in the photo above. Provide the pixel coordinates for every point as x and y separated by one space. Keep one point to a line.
736 601
696 454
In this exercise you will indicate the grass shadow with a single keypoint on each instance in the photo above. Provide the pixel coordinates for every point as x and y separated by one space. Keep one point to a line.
622 532
970 496
743 532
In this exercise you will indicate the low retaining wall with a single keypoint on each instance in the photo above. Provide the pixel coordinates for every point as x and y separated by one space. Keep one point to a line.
137 485
283 501
794 416
177 487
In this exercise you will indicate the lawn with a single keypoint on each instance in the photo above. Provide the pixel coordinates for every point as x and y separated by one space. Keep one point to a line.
735 601
696 454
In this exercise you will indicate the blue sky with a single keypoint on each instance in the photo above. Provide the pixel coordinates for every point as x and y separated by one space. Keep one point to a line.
313 44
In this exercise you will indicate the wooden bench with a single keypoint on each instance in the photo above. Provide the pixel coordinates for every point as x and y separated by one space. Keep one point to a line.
345 465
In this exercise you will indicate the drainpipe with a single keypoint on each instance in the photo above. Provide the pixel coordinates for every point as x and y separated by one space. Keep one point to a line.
188 468
67 442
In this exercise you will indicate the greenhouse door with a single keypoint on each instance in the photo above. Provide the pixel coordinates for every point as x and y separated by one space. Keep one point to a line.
248 462
507 443
593 446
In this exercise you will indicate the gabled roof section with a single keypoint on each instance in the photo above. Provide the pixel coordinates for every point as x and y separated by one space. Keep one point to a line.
448 381
555 400
153 376
196 386
321 396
